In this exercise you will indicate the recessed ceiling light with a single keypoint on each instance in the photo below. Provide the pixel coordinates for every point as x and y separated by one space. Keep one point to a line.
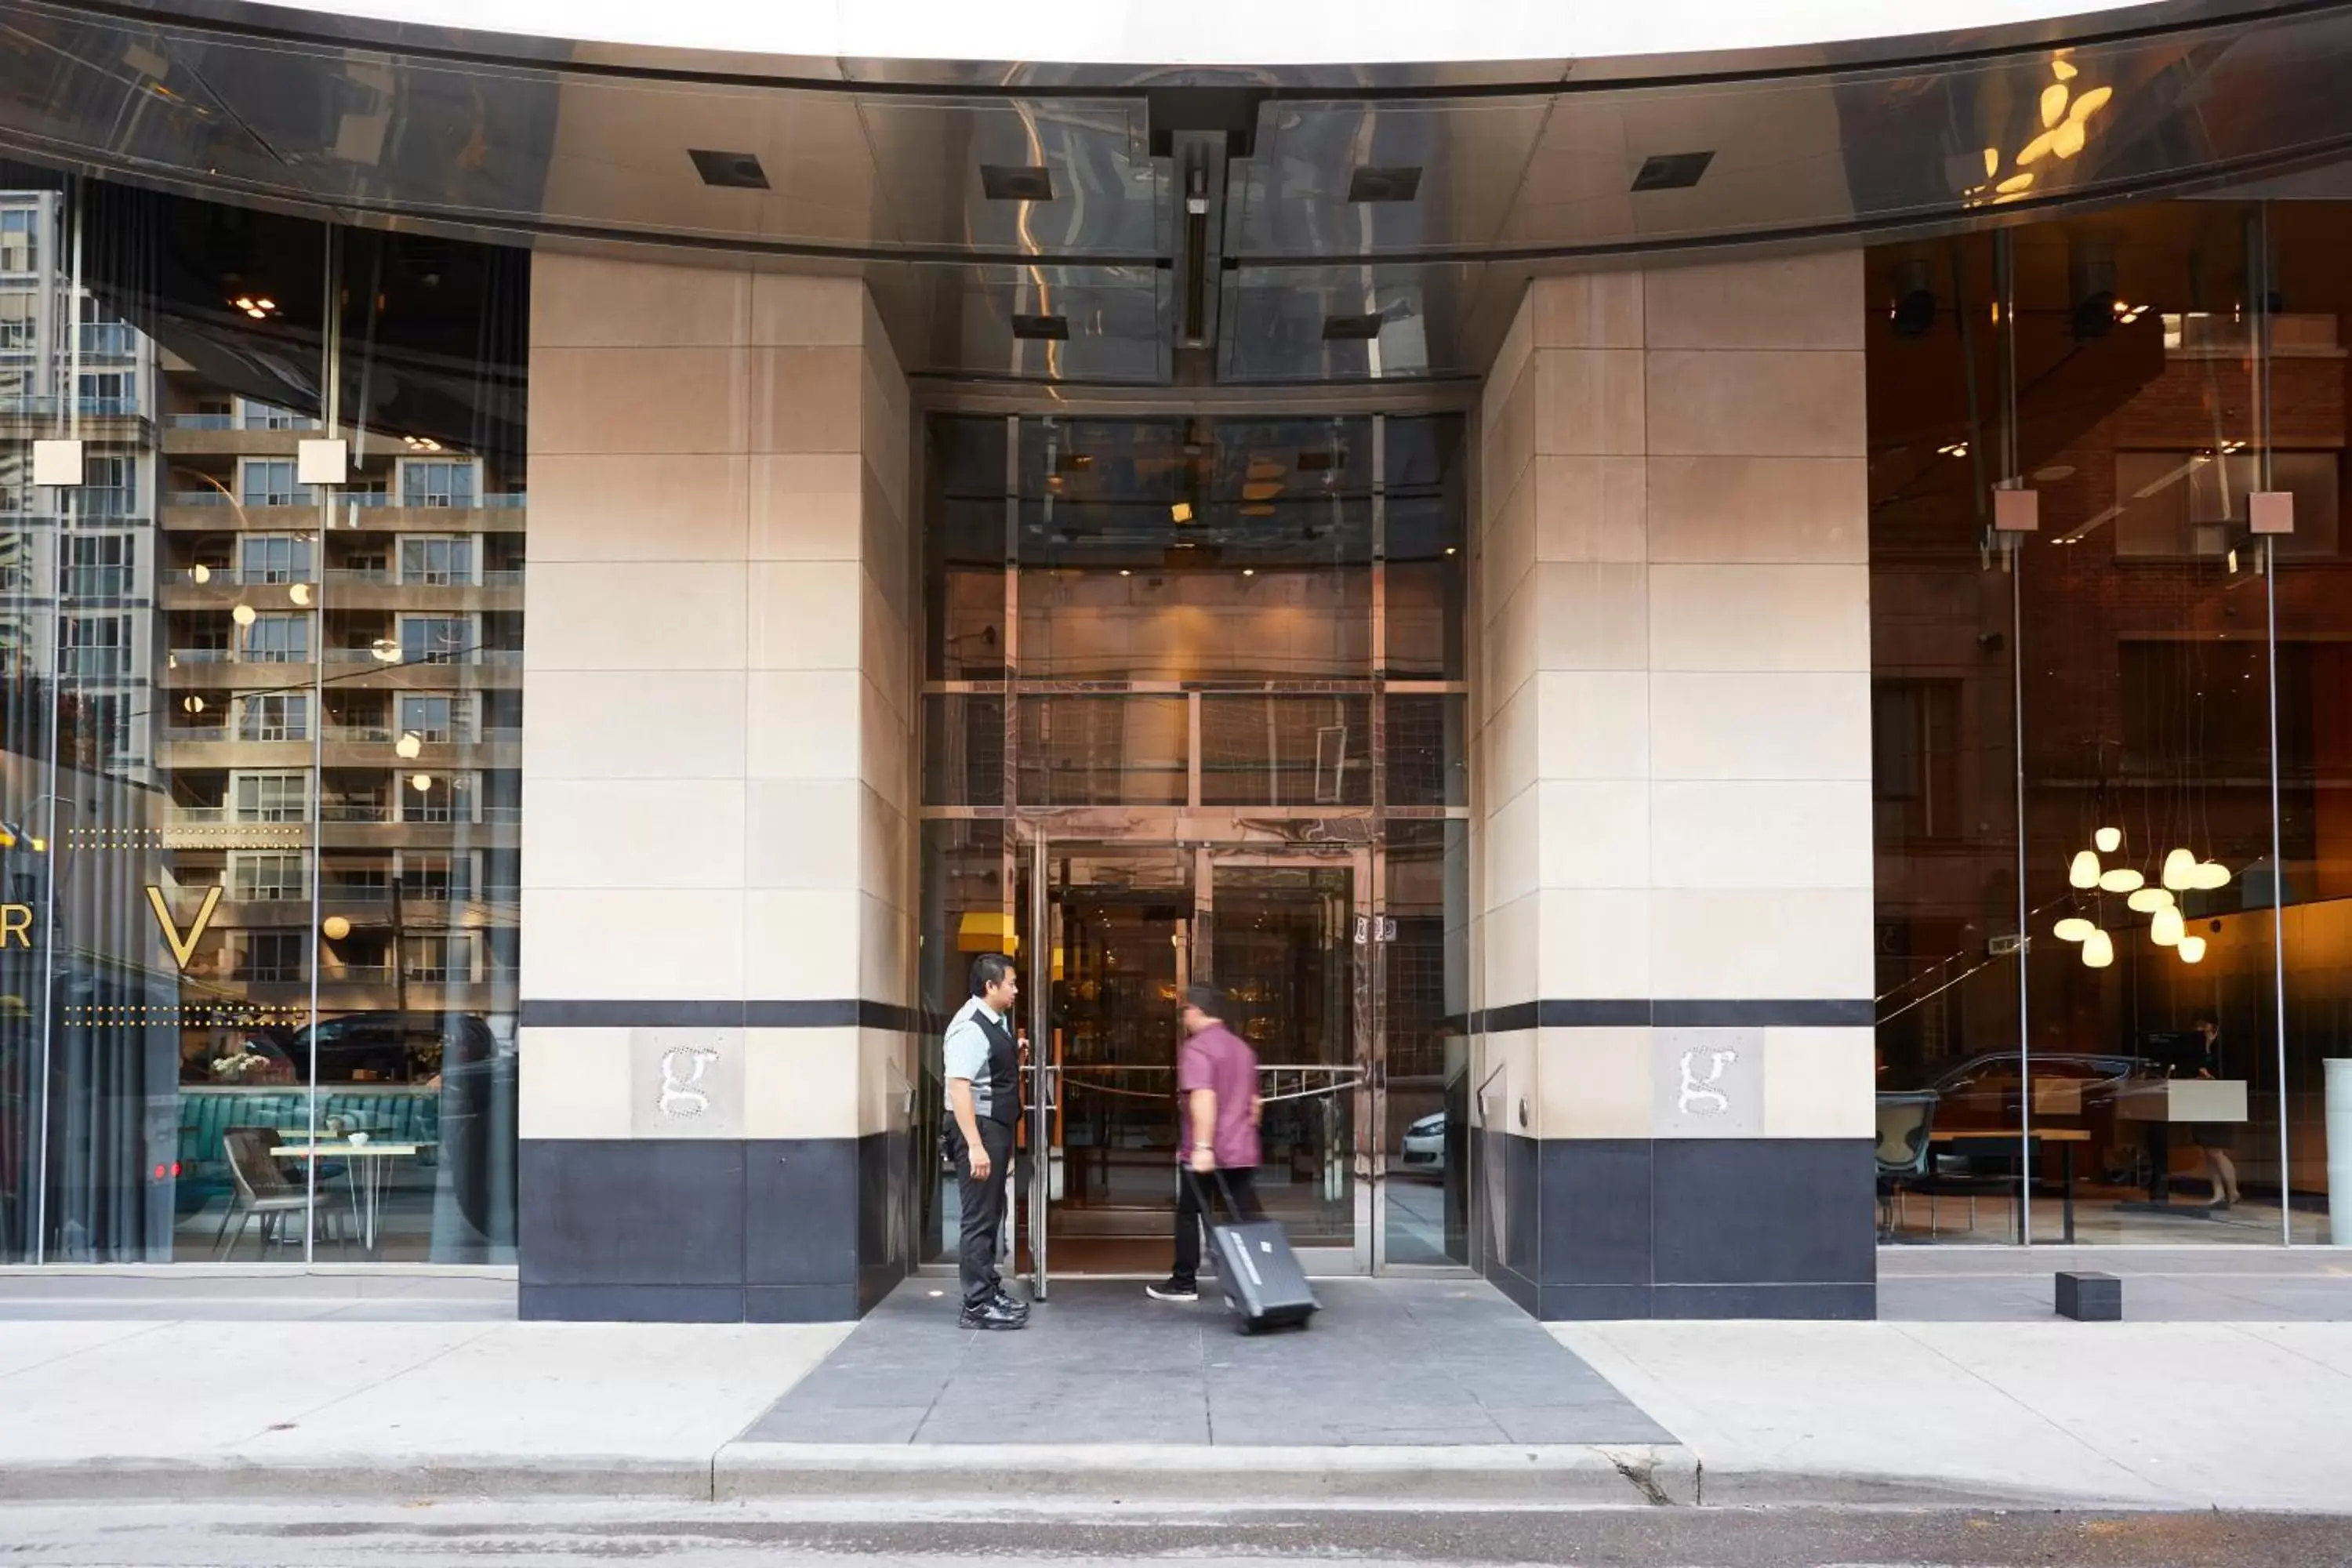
1016 182
1350 329
729 171
1048 329
1672 171
1395 183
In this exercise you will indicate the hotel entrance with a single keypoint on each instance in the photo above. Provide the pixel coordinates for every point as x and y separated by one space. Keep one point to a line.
1123 932
1194 710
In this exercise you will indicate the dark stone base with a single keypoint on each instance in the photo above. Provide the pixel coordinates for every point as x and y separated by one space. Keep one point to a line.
699 1231
1714 1227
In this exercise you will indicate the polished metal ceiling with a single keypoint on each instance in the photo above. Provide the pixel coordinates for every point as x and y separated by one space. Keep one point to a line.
1119 226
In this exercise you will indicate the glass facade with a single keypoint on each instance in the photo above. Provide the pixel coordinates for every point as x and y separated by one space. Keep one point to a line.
1194 712
2114 904
259 736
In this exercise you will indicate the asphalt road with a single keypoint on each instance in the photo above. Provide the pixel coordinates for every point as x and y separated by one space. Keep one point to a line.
446 1536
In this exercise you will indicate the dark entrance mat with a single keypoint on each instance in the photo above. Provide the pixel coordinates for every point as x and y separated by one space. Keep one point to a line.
1387 1362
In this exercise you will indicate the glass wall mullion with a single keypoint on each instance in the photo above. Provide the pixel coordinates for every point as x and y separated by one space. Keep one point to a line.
2262 268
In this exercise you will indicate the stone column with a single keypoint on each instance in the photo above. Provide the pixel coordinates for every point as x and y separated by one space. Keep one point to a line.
1675 817
717 841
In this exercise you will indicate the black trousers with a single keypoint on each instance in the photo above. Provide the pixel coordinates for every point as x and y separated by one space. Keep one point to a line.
982 1202
1190 1185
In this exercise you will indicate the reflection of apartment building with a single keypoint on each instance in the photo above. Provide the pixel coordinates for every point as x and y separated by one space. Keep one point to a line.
75 569
365 678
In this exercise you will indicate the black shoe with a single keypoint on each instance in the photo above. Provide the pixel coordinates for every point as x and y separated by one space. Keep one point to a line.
1173 1289
995 1316
1010 1302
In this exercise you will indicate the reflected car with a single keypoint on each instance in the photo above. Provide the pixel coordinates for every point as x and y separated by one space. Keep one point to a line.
1423 1146
2070 1089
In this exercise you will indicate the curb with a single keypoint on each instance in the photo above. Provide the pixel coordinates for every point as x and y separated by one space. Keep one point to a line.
1616 1477
1630 1475
359 1478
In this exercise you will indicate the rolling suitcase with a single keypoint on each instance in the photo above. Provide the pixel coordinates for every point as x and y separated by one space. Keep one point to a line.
1260 1275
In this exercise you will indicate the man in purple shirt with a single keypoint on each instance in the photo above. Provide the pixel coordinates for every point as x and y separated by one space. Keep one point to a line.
1218 1109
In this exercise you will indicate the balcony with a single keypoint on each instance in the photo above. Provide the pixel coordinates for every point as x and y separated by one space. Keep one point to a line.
346 588
216 510
27 416
351 668
109 340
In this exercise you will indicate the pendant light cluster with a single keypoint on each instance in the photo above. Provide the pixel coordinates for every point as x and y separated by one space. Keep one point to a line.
2182 872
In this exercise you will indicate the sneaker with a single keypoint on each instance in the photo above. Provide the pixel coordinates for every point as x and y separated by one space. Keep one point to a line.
1172 1290
995 1316
1010 1302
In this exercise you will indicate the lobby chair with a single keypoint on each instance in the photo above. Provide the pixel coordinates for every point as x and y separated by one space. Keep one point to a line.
1904 1153
262 1189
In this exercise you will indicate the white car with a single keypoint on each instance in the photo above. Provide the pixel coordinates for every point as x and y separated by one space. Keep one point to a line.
1424 1143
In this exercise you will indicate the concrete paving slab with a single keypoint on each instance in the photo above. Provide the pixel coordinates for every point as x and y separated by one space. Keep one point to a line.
1386 1362
2120 1414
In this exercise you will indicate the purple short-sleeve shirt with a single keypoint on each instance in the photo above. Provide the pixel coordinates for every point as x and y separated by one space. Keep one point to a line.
1220 1060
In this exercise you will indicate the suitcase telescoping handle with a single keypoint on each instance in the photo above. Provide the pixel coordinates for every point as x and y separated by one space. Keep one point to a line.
1202 1198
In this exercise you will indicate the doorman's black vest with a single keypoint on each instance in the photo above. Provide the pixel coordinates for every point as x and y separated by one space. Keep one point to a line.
1004 1069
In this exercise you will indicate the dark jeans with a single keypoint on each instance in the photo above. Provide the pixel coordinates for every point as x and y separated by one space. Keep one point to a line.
1190 1185
983 1210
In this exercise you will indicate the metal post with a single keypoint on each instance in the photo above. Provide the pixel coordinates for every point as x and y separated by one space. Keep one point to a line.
2005 342
2261 271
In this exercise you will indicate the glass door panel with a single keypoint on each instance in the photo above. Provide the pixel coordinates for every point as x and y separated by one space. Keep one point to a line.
1279 939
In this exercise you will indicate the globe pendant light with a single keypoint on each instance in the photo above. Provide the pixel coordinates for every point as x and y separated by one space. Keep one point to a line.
2098 950
2210 876
2122 879
2181 870
2166 928
2147 900
2084 871
2073 927
2108 839
2192 950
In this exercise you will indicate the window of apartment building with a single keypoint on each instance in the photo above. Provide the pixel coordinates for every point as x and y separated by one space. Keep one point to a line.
109 392
1916 731
279 638
436 877
275 716
20 321
269 797
98 566
269 481
255 415
103 337
435 718
271 955
20 229
444 797
437 958
96 648
273 558
15 562
110 485
437 483
353 802
436 559
446 639
99 725
268 875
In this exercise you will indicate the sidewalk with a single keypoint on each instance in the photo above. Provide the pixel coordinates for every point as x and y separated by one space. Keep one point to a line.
1404 1391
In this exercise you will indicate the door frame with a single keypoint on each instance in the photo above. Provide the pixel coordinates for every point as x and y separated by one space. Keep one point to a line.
1239 840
